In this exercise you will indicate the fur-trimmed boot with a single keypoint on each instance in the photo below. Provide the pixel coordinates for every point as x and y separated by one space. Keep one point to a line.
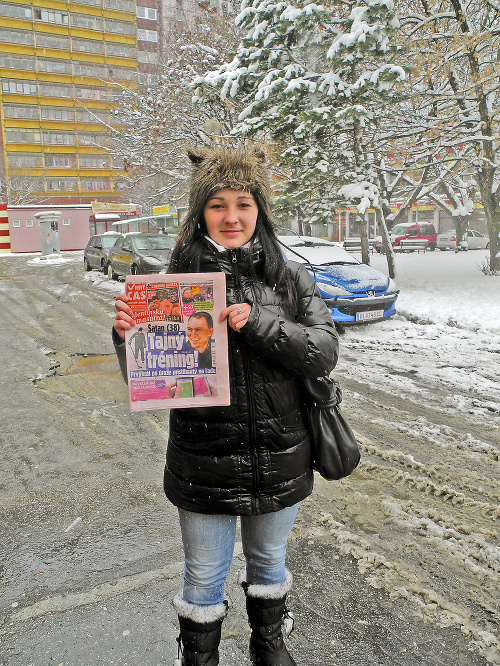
200 631
269 619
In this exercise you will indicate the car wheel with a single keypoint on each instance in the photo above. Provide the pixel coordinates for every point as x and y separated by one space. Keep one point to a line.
86 264
104 268
135 270
111 274
487 246
431 247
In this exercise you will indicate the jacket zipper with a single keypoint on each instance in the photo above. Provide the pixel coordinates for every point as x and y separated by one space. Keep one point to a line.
249 387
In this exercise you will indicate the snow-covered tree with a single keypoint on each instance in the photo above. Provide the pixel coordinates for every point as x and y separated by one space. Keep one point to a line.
314 80
24 188
456 49
152 123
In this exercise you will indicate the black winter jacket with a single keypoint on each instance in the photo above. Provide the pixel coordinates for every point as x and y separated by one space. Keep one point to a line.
253 456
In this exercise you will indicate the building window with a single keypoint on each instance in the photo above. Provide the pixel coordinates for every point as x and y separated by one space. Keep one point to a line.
55 184
59 18
16 36
94 116
54 66
147 35
16 223
96 3
89 69
14 111
87 22
9 62
120 27
94 162
93 139
29 223
91 93
45 41
121 50
58 114
24 160
87 46
22 136
149 57
95 184
15 87
66 222
122 73
147 13
55 90
58 138
60 161
15 11
122 5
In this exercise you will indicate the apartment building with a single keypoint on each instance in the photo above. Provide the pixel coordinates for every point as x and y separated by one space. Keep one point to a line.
150 39
59 65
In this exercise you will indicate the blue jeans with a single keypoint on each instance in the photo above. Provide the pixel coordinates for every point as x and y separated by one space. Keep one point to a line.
208 542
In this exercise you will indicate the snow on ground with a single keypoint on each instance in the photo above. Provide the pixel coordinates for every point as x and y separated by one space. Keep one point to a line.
449 288
50 259
445 338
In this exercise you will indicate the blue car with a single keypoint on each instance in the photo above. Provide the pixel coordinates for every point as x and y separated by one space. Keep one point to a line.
354 293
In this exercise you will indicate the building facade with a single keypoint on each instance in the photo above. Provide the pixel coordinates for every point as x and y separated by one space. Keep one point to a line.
59 66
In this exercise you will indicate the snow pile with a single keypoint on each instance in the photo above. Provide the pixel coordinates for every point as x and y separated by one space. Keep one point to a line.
50 259
445 338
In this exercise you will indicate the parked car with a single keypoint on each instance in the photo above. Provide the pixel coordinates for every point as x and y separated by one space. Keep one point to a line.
413 231
97 250
139 254
353 292
471 240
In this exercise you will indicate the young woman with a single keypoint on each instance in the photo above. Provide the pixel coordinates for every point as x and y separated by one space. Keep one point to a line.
253 458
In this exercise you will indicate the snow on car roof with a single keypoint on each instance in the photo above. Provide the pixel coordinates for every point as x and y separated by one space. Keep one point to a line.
316 251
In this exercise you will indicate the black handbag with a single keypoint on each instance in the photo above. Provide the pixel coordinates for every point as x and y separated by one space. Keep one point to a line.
335 449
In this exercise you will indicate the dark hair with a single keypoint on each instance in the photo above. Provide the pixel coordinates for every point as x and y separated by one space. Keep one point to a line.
203 315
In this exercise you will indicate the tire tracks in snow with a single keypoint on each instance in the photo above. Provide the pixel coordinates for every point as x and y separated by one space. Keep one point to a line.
421 514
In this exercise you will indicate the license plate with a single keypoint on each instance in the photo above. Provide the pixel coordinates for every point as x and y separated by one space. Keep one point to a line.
370 314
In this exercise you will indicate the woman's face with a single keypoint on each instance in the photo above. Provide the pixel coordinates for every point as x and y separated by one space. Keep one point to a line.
230 217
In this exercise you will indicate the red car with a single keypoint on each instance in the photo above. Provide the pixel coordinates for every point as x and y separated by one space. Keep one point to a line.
412 231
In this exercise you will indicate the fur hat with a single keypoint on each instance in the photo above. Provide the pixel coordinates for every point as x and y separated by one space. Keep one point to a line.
227 168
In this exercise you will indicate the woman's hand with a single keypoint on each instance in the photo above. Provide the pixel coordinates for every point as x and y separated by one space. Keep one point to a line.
124 319
236 315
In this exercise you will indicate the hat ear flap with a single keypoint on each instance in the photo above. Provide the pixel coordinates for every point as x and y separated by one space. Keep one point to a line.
259 153
194 156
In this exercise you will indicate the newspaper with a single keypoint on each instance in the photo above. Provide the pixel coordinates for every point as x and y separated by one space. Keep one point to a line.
177 350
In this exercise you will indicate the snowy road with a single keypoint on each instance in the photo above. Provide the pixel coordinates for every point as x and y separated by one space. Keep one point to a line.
420 517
